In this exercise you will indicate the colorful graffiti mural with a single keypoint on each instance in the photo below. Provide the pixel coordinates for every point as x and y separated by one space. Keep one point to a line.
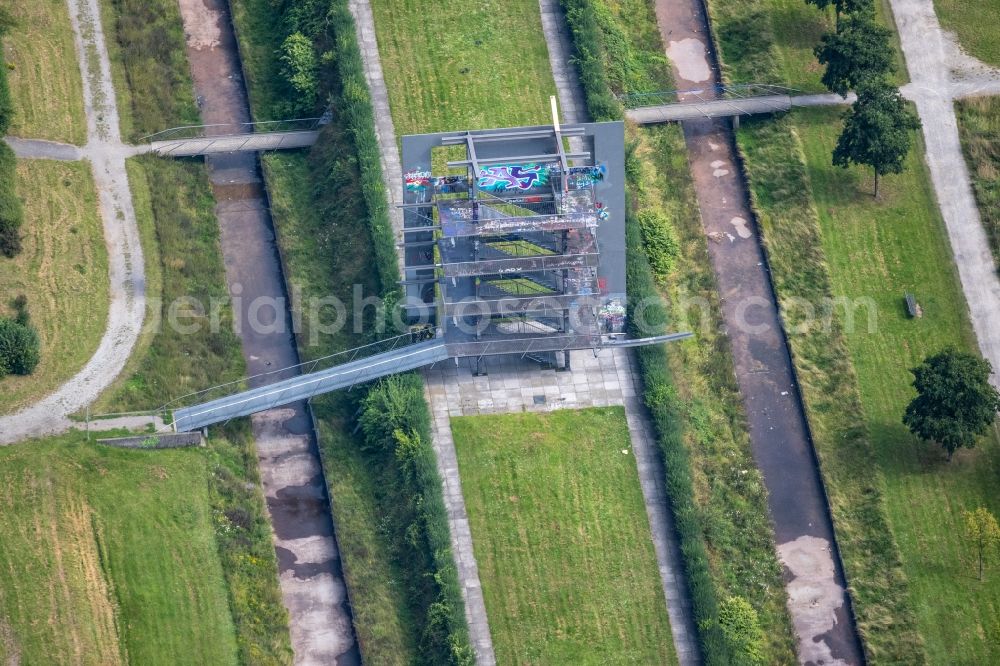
421 181
503 177
612 316
417 181
581 177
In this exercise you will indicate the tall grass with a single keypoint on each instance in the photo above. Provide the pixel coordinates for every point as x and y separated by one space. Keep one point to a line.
149 48
979 125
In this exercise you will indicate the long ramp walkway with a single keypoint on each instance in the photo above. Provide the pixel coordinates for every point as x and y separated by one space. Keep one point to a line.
306 386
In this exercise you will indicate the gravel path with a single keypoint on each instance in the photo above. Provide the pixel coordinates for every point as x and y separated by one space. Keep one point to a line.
107 155
939 73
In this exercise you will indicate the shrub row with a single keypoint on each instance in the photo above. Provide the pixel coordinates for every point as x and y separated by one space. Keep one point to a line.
11 213
661 399
396 424
774 166
590 56
355 105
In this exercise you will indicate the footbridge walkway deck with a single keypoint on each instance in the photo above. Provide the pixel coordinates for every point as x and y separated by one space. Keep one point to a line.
234 143
192 140
721 102
358 371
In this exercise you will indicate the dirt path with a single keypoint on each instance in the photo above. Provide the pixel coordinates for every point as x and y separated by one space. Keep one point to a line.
817 600
127 289
939 73
312 584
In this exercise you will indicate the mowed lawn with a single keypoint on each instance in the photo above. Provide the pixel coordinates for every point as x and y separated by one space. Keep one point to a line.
63 271
44 77
561 538
469 66
878 250
108 556
976 24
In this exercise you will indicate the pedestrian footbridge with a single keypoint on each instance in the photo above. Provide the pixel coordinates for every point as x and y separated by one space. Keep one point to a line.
399 355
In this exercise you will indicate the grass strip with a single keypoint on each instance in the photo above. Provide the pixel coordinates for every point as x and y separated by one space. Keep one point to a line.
558 519
115 551
974 22
62 270
39 58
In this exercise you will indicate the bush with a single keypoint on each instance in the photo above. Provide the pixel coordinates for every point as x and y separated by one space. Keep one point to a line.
19 348
300 67
660 241
742 630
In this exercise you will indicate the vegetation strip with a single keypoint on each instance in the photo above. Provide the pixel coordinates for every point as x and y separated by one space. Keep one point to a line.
414 612
725 559
841 431
180 236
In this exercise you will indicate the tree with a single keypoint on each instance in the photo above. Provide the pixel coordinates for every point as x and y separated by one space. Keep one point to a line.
983 533
876 130
19 348
955 402
858 52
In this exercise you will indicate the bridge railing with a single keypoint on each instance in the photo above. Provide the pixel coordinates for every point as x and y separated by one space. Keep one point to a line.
306 367
702 94
228 129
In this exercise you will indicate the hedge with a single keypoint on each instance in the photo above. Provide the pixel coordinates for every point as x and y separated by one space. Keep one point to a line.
355 106
590 56
11 213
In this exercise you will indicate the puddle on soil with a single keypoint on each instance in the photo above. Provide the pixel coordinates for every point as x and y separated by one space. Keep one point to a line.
689 56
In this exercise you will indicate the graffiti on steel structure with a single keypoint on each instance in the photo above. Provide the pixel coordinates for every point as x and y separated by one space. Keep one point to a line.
503 177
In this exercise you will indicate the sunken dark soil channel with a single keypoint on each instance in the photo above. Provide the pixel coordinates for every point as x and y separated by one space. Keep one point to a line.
311 577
